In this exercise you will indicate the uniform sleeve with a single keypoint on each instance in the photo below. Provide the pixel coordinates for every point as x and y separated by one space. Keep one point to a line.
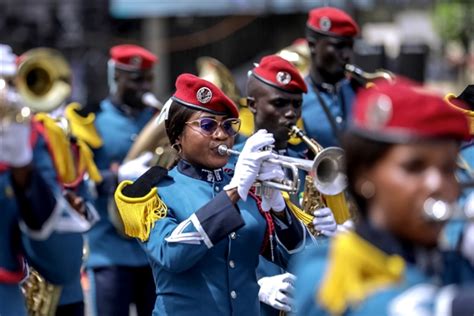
57 256
179 246
290 233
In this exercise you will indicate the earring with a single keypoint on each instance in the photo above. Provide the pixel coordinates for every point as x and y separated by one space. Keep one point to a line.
177 147
367 189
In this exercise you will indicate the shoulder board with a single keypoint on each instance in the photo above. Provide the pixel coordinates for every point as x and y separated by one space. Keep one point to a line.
139 205
82 127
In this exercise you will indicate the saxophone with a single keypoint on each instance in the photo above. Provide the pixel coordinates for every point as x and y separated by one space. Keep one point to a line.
41 297
325 183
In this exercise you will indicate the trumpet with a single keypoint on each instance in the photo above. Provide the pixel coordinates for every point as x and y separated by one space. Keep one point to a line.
365 78
288 185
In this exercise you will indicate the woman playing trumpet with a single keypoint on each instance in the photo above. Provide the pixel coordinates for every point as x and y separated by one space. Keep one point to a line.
204 229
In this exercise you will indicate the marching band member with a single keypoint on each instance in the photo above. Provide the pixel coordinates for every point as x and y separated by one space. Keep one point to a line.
401 154
275 91
33 209
330 34
117 266
201 226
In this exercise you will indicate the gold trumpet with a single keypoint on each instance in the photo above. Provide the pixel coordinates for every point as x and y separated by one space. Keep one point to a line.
325 182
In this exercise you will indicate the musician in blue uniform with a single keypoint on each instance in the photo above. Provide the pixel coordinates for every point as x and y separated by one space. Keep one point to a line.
33 210
459 232
117 266
401 154
201 226
275 91
327 105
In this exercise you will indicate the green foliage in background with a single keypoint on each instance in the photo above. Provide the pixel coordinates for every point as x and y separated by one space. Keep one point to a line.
454 19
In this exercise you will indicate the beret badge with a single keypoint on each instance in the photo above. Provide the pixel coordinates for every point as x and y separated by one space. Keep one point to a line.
204 95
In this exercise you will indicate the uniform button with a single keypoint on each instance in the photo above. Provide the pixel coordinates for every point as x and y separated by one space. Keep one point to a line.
233 235
133 137
217 189
338 119
232 264
233 294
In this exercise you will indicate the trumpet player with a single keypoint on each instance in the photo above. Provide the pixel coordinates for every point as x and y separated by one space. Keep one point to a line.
330 33
206 230
33 208
117 267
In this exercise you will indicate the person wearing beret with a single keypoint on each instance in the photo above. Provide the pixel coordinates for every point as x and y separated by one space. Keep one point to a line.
275 91
33 211
401 150
460 232
202 226
327 105
118 269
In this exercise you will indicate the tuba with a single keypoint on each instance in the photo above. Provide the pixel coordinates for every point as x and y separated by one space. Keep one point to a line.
325 183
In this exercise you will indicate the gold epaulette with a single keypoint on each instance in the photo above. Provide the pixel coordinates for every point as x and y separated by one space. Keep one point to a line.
355 270
60 147
139 214
83 128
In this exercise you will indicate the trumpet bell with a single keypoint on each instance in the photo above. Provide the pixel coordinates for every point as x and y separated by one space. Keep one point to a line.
43 79
329 178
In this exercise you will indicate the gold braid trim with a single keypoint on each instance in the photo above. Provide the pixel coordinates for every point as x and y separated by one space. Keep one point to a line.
355 270
83 127
139 214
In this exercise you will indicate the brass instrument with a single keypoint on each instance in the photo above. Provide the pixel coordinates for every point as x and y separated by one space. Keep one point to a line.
288 185
43 79
325 182
366 78
298 54
41 296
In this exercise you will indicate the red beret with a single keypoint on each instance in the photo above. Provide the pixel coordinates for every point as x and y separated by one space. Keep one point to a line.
404 111
280 73
332 22
201 95
132 57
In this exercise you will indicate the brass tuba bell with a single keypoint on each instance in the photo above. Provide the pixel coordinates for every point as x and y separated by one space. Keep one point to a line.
43 79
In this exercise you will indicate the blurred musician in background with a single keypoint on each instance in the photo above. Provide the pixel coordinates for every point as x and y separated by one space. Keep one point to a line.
118 268
36 218
326 107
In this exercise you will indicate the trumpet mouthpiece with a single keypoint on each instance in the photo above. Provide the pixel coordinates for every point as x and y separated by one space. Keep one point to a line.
222 150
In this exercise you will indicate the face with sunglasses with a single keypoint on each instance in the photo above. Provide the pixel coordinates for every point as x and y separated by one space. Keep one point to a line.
202 135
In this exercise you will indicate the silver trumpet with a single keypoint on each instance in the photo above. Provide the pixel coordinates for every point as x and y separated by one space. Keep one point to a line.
289 185
327 167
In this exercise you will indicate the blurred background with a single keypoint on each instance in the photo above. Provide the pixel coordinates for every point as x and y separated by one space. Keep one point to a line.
427 40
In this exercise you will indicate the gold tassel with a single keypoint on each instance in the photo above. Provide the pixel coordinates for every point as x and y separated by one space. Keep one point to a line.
86 161
355 269
139 214
83 127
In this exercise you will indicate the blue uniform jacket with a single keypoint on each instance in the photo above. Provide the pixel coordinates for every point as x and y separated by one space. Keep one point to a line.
27 229
204 253
339 102
118 131
419 292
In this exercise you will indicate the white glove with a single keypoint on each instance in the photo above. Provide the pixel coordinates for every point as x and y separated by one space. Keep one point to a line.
133 169
271 199
15 147
248 165
324 221
345 227
467 245
277 291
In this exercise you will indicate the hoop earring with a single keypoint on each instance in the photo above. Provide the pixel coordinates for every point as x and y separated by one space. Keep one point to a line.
177 147
367 189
